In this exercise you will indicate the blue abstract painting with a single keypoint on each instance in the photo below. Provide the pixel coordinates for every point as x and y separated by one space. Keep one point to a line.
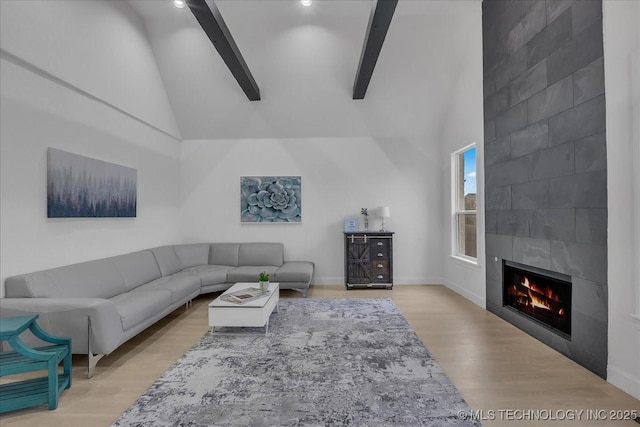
270 199
79 186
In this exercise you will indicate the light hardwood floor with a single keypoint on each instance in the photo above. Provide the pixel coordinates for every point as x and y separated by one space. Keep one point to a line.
494 365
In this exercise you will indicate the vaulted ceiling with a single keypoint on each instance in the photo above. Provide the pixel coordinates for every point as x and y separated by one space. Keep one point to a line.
305 60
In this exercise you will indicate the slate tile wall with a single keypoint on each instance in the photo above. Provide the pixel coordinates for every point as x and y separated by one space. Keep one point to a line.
545 159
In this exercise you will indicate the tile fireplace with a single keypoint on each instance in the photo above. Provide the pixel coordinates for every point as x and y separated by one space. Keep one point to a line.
545 170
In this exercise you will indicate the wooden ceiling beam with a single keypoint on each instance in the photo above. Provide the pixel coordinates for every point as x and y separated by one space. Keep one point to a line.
379 22
215 28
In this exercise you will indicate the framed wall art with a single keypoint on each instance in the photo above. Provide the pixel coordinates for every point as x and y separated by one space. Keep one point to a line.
270 199
79 186
351 224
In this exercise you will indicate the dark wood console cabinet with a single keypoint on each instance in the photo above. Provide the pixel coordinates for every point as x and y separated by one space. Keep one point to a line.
368 259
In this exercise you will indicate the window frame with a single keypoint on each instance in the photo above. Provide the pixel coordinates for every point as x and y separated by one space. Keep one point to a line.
635 108
457 194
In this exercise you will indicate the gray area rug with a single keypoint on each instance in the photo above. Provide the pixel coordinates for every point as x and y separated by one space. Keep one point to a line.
325 362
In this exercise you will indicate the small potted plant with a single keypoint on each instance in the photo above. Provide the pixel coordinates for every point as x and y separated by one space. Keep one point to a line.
264 281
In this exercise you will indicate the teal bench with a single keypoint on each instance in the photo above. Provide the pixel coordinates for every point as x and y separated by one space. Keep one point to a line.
37 391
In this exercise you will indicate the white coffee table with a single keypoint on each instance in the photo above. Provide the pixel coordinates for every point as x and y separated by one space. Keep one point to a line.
254 313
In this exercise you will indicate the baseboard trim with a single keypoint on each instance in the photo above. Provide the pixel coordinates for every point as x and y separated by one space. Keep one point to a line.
624 381
397 281
322 281
430 280
471 296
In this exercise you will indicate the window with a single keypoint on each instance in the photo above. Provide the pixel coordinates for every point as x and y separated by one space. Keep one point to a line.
464 203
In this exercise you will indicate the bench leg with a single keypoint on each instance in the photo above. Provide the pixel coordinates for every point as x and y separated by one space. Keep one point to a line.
67 366
52 383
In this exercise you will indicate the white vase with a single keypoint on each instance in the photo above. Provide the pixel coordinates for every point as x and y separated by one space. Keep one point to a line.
264 286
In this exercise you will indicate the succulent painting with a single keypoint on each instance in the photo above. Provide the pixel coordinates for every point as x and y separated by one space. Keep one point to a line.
270 199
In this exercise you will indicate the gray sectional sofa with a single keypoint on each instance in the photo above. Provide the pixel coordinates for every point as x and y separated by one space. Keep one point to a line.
103 303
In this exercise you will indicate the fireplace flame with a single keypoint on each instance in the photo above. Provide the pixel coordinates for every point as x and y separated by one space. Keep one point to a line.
538 302
539 297
546 291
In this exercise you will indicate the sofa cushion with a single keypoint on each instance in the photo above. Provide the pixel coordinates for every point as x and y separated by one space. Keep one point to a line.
181 286
224 254
192 255
261 253
167 260
294 271
92 279
135 307
137 268
209 274
249 273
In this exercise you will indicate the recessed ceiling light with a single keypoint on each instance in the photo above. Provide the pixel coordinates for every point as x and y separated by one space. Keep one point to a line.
179 3
306 2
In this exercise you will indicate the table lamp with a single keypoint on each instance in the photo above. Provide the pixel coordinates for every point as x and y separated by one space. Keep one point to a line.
383 211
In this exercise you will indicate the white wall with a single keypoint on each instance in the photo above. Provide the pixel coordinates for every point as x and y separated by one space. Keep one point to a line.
98 46
383 150
305 61
49 104
621 41
339 177
462 127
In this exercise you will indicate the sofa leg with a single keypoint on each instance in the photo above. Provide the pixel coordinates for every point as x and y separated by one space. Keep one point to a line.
303 292
93 361
92 358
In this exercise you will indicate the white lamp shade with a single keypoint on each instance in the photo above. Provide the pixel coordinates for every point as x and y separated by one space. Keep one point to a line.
383 211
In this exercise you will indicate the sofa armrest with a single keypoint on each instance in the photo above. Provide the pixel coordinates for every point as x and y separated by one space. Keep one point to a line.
70 317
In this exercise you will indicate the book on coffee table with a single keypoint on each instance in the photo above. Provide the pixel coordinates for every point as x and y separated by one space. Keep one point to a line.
244 296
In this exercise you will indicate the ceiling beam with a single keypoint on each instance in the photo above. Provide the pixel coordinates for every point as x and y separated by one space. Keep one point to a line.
214 26
379 22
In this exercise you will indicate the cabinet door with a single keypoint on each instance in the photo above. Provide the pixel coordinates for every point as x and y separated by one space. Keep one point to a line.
358 261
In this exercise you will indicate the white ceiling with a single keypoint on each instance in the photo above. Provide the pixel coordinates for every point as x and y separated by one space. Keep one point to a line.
304 60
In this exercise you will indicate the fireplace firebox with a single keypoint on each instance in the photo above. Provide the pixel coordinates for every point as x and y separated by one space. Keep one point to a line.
540 295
